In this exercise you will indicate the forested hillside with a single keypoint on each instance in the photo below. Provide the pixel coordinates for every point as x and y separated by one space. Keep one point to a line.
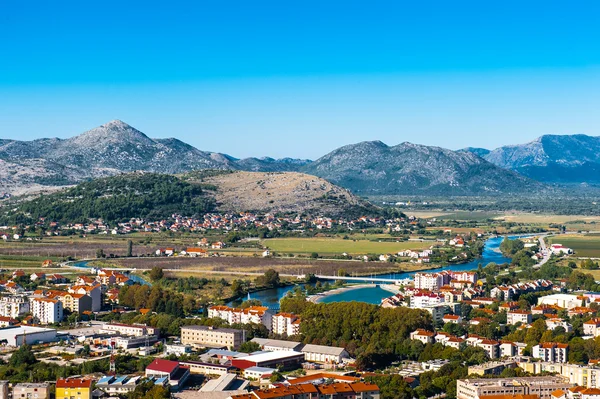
119 198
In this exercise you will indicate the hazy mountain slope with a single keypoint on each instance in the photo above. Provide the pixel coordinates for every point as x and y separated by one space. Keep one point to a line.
110 149
482 152
553 158
375 168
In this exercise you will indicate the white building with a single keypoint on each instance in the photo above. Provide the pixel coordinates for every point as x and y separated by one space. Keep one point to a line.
427 337
324 354
592 327
553 323
14 306
94 291
253 314
285 324
132 330
47 311
425 299
565 301
551 352
431 281
518 316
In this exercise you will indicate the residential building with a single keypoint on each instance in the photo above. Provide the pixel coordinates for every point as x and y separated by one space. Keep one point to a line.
592 327
427 337
30 390
431 281
518 316
212 336
551 352
452 318
510 349
540 386
14 306
76 303
46 310
424 299
565 301
94 291
253 314
73 388
285 324
555 322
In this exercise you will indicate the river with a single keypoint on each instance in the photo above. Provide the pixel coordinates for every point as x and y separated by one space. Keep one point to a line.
491 253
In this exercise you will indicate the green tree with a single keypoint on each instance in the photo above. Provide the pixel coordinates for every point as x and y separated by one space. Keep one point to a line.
129 248
100 253
156 273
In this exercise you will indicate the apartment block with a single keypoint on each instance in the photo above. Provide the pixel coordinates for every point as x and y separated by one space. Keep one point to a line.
212 336
46 310
551 352
253 314
285 324
13 306
540 386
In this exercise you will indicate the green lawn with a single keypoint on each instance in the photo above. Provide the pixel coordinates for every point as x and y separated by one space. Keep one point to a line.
339 246
583 245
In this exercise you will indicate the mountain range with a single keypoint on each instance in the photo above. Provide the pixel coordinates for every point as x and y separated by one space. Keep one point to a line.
366 168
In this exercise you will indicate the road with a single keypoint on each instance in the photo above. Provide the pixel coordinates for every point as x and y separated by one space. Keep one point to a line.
544 251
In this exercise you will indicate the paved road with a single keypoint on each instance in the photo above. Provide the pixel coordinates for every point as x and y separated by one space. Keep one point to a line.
544 250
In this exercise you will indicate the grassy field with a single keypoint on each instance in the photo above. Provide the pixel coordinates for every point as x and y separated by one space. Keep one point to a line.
328 246
583 245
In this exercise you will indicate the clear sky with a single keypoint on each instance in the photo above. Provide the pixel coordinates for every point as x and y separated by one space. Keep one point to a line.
299 79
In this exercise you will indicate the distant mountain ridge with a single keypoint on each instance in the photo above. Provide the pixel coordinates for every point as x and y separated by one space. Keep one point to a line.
374 168
110 149
552 158
367 168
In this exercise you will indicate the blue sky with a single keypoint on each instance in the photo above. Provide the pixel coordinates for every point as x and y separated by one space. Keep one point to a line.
300 79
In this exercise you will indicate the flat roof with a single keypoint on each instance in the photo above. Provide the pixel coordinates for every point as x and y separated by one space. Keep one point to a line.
268 356
220 384
208 328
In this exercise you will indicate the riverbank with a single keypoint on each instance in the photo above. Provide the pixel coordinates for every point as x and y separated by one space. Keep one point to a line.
316 298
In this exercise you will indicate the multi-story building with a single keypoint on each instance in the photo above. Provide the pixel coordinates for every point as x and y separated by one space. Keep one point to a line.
29 390
424 299
252 314
76 303
431 281
592 327
509 349
13 306
94 291
212 336
565 301
47 310
285 324
584 376
133 330
518 316
324 354
551 352
540 386
336 390
73 388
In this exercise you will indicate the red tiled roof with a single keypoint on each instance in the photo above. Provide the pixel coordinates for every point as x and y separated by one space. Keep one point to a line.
73 383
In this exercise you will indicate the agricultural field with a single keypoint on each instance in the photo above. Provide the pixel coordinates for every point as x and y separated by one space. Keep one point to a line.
587 246
470 216
333 246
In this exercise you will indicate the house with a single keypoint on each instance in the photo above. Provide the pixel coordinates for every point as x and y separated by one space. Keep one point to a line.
7 321
218 245
56 279
37 276
13 287
47 263
427 337
71 388
39 390
451 318
165 251
195 252
176 374
555 322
